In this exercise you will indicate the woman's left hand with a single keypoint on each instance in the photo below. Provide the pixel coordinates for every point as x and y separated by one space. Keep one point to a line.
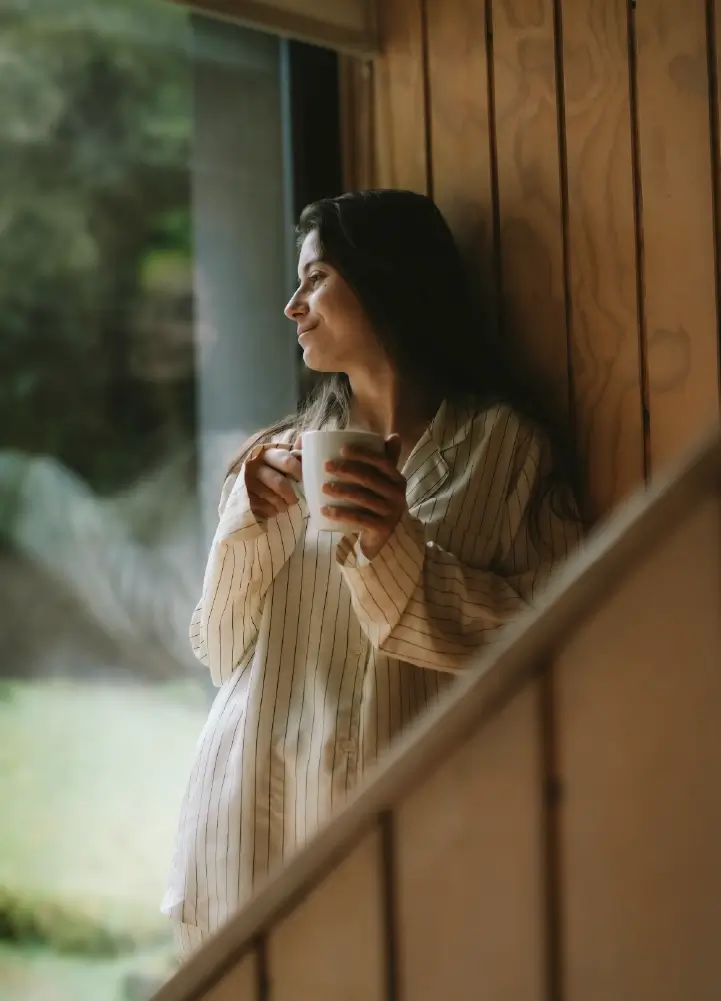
376 490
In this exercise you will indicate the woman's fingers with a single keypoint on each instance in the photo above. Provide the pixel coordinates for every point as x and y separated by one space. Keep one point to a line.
268 480
264 509
269 496
360 497
374 489
370 477
354 516
283 461
384 463
277 482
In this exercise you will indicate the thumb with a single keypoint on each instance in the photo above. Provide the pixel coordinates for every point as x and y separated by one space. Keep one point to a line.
393 447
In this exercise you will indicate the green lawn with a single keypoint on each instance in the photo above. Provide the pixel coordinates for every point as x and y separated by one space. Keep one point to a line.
40 975
91 777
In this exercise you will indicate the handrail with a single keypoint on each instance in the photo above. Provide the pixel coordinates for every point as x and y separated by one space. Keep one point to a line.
612 550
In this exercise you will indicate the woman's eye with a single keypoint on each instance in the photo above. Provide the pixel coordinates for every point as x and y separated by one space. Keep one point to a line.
316 277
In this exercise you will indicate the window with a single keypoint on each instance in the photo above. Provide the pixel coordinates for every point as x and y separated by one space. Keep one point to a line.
152 163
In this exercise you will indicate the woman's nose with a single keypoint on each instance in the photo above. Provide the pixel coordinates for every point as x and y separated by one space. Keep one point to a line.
296 307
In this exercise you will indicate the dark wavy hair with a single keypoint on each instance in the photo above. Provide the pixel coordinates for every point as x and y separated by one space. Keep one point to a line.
397 253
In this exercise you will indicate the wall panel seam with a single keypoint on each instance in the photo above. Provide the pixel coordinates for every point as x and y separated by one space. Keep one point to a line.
563 186
712 58
638 232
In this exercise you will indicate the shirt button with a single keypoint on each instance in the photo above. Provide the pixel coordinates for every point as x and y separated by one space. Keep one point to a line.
346 746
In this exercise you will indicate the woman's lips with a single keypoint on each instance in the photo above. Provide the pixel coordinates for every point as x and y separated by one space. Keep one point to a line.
305 330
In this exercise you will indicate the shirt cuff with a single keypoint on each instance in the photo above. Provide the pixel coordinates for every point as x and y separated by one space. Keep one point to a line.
381 587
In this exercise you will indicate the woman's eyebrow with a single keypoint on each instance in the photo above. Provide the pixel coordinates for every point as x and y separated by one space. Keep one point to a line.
306 267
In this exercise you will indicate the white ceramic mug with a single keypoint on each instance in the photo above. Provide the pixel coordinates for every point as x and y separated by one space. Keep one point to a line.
320 447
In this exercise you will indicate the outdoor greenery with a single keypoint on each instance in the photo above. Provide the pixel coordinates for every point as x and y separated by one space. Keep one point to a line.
87 829
96 374
95 137
29 921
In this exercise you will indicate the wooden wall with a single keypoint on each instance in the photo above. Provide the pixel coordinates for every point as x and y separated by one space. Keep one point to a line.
574 147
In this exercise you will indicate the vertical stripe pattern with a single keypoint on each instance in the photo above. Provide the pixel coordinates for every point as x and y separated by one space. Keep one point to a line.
322 656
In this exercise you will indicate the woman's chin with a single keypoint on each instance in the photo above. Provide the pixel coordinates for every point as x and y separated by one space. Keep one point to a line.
316 363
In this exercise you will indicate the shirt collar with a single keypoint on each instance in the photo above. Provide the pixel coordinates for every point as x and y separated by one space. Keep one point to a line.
426 469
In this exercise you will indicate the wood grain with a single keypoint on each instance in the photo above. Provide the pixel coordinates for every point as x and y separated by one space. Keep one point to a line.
639 704
355 85
399 101
331 945
682 342
606 367
460 140
529 183
470 880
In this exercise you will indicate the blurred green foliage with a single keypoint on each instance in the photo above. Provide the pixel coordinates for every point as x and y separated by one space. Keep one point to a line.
34 921
95 138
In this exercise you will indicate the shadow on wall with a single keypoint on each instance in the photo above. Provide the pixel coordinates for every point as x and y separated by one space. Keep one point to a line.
514 312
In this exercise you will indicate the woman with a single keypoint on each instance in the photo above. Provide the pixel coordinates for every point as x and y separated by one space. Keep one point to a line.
325 646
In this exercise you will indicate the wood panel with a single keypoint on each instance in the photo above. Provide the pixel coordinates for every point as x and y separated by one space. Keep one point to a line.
460 136
399 98
355 85
605 362
529 195
469 850
213 973
240 984
331 945
673 364
682 343
639 705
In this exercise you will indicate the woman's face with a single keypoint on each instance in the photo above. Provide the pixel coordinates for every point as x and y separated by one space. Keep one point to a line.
333 328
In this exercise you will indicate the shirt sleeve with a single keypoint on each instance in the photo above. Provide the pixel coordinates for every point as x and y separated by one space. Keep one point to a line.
246 556
419 603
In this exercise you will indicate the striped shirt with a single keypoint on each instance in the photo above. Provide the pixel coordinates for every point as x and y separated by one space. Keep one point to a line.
322 656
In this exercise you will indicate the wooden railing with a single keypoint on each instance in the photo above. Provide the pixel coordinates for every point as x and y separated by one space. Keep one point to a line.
553 828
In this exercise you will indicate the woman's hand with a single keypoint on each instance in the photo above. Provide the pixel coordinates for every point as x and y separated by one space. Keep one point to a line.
375 488
268 480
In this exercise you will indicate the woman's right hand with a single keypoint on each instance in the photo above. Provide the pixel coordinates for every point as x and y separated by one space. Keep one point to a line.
268 480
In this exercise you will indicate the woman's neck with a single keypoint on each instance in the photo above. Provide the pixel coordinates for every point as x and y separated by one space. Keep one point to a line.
382 402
